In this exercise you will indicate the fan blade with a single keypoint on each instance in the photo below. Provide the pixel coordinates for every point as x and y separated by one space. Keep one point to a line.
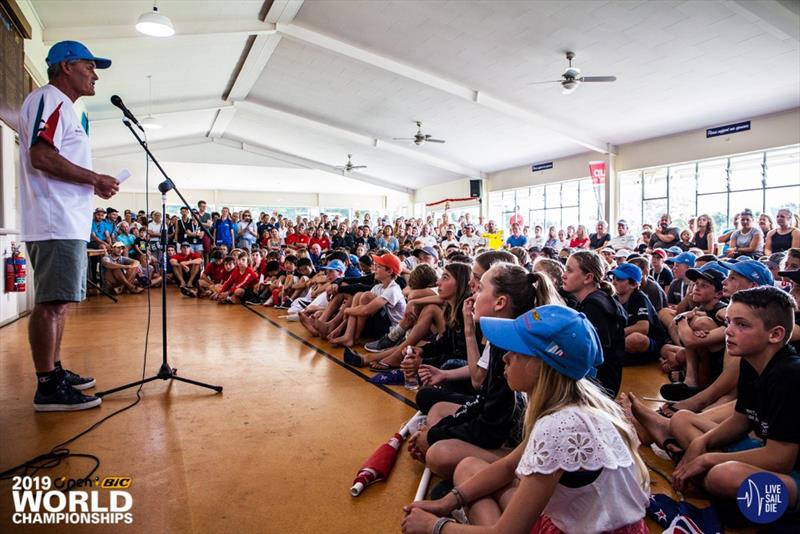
548 81
403 139
599 79
358 167
430 140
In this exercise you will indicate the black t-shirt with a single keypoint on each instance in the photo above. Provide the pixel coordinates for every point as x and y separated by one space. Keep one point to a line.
609 320
655 242
796 344
188 226
656 295
677 291
639 308
597 242
769 400
664 278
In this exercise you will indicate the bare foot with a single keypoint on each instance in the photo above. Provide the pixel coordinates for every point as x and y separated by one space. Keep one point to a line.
307 322
322 327
654 426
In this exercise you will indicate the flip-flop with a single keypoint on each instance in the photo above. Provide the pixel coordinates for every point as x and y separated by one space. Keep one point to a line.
679 391
185 291
669 406
352 358
380 366
673 449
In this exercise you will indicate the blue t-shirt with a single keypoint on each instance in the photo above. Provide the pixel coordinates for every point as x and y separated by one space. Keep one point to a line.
223 228
520 241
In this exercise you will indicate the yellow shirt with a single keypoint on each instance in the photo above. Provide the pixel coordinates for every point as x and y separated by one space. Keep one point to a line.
494 241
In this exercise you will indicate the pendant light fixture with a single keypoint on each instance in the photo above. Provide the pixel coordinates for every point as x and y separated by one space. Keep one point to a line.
150 122
155 24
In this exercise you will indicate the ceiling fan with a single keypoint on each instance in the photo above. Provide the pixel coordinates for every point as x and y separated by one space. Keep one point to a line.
349 167
572 77
419 138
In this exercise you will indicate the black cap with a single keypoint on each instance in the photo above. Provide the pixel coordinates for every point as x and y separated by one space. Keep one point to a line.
711 275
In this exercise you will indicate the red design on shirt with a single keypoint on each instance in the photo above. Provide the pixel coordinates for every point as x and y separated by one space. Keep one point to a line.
48 130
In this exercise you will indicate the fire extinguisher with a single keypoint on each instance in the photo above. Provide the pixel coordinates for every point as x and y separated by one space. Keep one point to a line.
16 268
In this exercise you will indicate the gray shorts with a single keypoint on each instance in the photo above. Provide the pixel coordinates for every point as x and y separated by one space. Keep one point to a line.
60 269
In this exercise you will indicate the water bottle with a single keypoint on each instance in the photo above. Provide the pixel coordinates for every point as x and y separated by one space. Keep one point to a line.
411 380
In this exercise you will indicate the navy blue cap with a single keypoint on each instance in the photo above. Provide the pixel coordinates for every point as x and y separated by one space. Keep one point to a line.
627 271
73 50
430 251
561 337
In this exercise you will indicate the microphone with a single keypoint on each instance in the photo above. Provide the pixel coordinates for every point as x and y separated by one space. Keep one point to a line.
117 101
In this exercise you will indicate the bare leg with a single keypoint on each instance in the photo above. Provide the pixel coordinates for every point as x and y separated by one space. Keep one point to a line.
487 510
725 479
193 273
47 319
177 271
443 456
685 426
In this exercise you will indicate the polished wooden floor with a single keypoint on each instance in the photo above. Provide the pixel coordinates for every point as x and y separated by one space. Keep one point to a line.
275 452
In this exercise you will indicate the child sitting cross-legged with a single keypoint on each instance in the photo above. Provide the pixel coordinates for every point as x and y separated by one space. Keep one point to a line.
578 470
241 279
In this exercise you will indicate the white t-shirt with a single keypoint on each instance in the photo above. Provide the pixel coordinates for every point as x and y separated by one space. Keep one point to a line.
428 240
395 301
483 361
627 241
154 227
473 240
51 208
574 439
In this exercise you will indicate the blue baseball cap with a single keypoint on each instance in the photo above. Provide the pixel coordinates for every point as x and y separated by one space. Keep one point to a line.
675 249
563 338
627 271
686 258
353 259
73 50
755 271
430 251
334 265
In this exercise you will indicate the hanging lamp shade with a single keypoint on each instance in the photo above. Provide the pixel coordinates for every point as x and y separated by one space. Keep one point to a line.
155 24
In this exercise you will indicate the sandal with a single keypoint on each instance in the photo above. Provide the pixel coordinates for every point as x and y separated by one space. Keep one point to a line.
667 410
353 358
679 391
673 449
380 366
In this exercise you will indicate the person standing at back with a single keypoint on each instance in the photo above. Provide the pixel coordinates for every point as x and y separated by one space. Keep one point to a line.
56 189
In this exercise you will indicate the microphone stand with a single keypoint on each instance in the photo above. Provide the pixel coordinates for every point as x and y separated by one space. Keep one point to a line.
165 372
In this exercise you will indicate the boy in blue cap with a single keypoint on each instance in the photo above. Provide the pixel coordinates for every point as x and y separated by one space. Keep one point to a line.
56 189
552 349
644 335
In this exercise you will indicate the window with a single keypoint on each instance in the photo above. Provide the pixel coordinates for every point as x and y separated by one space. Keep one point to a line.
721 188
557 204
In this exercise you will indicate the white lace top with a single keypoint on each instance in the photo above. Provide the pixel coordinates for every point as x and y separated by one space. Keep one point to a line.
575 439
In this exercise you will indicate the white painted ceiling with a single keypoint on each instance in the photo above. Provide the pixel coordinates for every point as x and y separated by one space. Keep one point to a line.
339 77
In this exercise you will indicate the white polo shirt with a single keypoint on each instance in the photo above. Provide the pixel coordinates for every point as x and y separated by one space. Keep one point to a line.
51 208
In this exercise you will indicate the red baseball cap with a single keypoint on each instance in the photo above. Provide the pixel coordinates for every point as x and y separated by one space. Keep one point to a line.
390 261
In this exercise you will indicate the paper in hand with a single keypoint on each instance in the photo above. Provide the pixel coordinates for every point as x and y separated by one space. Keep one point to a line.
123 175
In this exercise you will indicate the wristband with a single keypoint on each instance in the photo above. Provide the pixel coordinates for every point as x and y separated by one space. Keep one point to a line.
460 500
440 523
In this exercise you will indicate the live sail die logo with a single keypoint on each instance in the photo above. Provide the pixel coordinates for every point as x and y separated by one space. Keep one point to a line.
43 500
763 498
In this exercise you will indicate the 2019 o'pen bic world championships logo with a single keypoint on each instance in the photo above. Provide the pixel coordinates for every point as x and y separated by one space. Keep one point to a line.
44 500
763 498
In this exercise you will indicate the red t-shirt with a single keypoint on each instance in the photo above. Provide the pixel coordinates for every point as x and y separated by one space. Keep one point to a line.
238 279
579 243
323 242
298 240
216 272
180 258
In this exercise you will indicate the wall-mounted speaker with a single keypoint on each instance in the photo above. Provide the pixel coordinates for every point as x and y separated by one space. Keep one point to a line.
475 188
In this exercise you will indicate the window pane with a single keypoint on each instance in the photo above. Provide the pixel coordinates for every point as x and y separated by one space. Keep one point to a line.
569 193
784 197
682 194
589 205
523 201
535 217
712 176
783 166
537 197
568 216
716 207
630 198
655 182
552 217
746 199
553 195
746 172
652 211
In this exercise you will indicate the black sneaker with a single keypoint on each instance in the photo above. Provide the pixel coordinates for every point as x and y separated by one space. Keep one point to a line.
381 344
64 399
77 381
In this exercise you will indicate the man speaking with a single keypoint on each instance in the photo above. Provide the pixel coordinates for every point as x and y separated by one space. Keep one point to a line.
56 191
